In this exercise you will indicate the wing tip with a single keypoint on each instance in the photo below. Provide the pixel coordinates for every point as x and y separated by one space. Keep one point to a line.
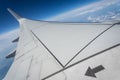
18 17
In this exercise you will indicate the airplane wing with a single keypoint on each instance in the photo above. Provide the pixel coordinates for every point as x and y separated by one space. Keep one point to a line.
66 51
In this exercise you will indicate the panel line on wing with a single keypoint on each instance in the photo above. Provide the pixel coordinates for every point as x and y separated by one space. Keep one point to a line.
29 68
48 50
89 44
25 53
89 57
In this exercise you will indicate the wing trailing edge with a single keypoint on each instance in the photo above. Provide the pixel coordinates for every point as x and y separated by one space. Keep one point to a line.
11 54
15 40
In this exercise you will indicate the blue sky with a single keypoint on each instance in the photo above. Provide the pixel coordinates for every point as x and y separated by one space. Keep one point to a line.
35 9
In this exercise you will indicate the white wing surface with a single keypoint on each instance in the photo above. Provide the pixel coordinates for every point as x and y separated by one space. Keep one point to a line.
66 51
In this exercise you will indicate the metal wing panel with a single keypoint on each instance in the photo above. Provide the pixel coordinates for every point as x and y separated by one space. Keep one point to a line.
37 42
65 40
44 49
108 39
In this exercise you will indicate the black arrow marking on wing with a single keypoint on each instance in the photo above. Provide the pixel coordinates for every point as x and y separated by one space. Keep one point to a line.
91 72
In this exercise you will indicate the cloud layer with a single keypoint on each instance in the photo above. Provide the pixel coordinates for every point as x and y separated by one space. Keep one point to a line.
95 9
5 39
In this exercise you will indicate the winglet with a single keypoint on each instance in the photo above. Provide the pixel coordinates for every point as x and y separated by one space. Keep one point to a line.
14 14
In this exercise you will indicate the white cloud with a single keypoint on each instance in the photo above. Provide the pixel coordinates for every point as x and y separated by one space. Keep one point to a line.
8 34
85 9
5 39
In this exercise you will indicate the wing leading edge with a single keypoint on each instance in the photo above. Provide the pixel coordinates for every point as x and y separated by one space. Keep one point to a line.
63 51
